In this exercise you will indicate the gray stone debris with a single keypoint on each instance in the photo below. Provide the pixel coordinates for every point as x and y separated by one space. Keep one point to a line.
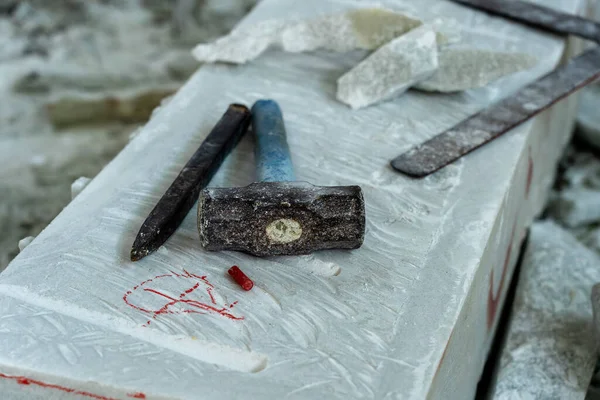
199 20
590 237
25 242
78 185
463 68
550 346
583 171
390 70
242 44
45 80
576 207
356 29
66 110
575 203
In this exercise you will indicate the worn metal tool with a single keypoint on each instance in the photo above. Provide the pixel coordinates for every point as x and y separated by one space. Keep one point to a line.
179 198
534 98
278 216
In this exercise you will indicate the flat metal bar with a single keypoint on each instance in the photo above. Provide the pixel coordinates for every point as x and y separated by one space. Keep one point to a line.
501 117
539 17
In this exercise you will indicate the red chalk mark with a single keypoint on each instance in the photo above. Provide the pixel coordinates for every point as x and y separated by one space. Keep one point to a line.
190 290
241 278
139 395
22 380
159 293
493 300
183 304
529 174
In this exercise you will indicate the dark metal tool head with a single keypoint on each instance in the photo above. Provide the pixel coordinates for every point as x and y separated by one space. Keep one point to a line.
281 218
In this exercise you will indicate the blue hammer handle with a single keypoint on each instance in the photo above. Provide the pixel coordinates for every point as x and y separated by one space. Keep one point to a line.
272 154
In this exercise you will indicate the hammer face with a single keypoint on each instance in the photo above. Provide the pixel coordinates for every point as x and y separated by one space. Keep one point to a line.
281 218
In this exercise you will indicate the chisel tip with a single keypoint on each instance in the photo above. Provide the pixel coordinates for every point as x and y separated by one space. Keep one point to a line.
137 254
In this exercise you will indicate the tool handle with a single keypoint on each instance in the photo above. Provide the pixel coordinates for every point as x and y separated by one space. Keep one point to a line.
272 154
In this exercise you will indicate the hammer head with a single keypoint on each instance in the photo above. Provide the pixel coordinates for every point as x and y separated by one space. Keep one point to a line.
281 218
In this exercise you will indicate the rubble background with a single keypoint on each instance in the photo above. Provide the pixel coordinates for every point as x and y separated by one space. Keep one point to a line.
77 78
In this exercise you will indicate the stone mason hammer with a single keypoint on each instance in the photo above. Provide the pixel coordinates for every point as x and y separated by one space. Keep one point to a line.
277 216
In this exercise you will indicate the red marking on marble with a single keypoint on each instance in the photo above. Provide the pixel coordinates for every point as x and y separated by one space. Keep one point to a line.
210 293
182 304
529 174
138 395
240 277
190 290
203 278
494 300
22 380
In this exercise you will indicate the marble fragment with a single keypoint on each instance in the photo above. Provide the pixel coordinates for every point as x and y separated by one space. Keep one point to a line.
241 45
589 236
25 242
549 351
390 70
462 69
356 29
78 185
576 207
365 29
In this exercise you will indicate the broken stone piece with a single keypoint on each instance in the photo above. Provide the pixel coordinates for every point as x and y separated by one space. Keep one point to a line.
365 29
78 185
69 110
550 346
391 69
241 45
42 80
462 69
576 207
25 242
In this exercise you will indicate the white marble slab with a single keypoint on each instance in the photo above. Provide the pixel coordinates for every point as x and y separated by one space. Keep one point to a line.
409 315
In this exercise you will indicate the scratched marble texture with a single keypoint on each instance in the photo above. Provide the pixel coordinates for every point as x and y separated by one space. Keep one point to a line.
370 323
550 348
